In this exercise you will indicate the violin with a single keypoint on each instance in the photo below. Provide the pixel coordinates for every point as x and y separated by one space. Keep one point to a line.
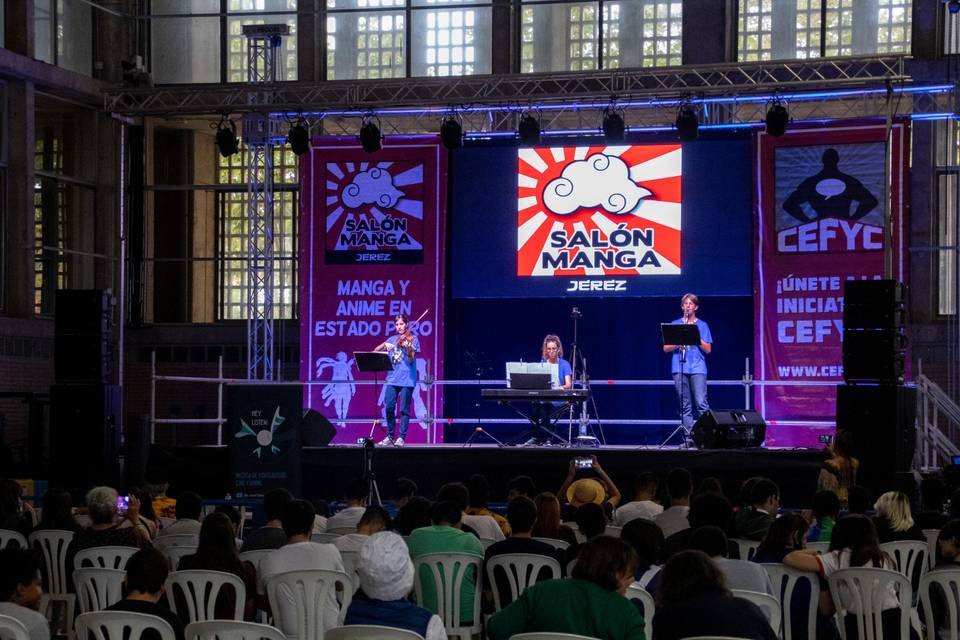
406 343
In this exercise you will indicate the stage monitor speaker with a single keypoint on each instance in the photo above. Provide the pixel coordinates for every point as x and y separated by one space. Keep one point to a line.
316 430
873 356
881 419
729 430
81 330
84 438
873 304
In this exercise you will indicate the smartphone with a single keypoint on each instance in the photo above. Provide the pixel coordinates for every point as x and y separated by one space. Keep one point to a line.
123 503
583 462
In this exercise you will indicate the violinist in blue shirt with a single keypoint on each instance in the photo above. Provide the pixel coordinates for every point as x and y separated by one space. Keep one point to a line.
403 349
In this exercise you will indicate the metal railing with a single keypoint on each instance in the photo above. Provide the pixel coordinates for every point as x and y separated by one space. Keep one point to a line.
938 426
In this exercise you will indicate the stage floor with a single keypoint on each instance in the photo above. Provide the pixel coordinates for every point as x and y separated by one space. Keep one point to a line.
327 470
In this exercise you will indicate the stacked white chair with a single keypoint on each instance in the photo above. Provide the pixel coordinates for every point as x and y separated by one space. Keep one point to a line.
767 603
193 594
12 629
941 587
53 544
521 570
107 557
641 595
448 572
370 632
11 538
299 599
121 625
860 591
231 630
785 582
98 588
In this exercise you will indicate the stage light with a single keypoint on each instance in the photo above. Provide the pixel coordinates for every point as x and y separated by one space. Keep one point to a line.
451 132
613 126
370 138
227 142
529 129
298 137
687 123
777 118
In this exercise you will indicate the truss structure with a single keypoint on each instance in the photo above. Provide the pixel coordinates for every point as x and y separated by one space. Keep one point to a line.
259 132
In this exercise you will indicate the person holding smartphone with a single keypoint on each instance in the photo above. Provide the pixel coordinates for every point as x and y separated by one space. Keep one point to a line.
587 482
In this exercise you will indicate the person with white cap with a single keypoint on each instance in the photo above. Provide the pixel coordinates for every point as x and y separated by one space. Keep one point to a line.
386 578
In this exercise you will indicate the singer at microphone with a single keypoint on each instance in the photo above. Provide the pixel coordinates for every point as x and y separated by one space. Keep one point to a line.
690 370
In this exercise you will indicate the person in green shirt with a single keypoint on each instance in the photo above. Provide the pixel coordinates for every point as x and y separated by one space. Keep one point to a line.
446 536
591 603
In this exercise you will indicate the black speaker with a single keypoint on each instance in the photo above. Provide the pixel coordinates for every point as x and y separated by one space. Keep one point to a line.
873 355
729 430
881 419
81 330
873 304
316 430
84 438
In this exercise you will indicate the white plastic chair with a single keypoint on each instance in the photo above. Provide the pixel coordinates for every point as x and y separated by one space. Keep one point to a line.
860 591
767 603
106 557
521 571
12 629
641 595
113 625
174 554
820 547
910 556
351 561
53 544
613 530
556 544
166 522
370 632
231 630
448 572
785 581
324 538
747 548
943 587
198 591
300 599
549 635
932 535
177 540
9 537
254 557
98 588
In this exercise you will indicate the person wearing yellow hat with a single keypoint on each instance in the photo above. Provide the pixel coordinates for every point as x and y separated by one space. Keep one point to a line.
598 490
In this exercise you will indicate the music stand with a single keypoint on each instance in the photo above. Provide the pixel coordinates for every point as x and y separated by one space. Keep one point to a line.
373 362
682 335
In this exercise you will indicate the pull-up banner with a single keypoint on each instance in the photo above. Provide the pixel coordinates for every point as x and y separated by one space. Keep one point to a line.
818 222
372 234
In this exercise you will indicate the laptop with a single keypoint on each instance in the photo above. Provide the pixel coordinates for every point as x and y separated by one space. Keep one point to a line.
532 375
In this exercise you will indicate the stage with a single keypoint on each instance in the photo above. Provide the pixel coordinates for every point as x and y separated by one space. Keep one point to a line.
326 470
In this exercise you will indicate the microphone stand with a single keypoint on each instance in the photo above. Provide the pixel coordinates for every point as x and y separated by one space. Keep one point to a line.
584 420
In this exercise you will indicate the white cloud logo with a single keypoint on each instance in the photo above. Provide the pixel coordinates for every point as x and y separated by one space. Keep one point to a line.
831 187
374 186
599 181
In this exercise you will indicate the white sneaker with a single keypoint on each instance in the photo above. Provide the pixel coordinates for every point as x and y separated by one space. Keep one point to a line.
398 442
386 442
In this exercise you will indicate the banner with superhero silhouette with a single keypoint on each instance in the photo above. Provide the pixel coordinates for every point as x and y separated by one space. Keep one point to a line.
818 222
372 247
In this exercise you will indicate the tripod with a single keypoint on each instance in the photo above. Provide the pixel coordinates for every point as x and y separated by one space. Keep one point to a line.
583 439
373 491
373 362
479 431
682 336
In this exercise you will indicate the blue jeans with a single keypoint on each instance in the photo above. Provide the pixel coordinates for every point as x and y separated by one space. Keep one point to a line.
392 398
691 394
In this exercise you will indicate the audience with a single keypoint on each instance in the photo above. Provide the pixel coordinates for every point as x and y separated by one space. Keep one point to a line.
21 591
753 520
189 508
146 572
217 551
271 535
859 499
893 520
375 519
708 509
356 495
646 538
386 578
644 503
323 514
695 601
106 529
147 516
548 523
740 574
297 555
839 473
591 603
521 486
405 489
413 515
446 536
15 514
479 489
58 511
674 518
484 527
709 485
587 486
786 534
826 510
948 546
157 484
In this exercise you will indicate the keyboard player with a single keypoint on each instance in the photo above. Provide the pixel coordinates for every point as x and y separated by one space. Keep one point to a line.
551 352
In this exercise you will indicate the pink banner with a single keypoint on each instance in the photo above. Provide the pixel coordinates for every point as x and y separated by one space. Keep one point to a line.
372 235
819 222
